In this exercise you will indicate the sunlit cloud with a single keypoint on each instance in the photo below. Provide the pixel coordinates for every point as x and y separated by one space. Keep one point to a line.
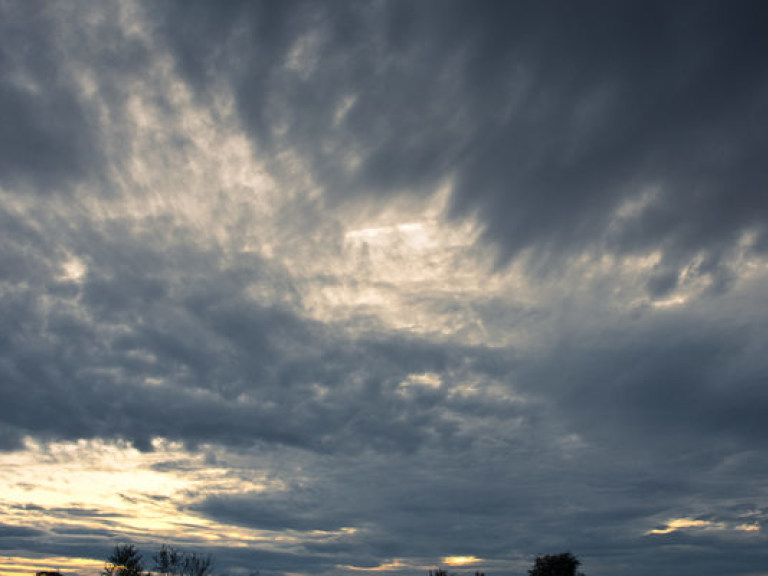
120 490
425 380
73 270
684 523
670 302
461 560
63 564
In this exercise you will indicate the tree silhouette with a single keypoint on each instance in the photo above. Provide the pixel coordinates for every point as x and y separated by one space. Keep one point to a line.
169 561
555 565
197 564
125 560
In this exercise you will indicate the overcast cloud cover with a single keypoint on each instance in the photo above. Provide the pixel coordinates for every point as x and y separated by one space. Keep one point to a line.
321 287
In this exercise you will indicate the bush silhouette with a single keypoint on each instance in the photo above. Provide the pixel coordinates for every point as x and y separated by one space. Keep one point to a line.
555 565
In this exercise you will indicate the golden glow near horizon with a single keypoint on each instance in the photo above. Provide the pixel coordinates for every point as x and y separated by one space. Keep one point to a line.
13 565
748 528
679 523
676 524
116 489
461 560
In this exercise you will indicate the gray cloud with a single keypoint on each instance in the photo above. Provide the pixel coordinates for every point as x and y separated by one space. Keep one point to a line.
602 392
549 116
199 361
255 510
47 140
7 531
662 383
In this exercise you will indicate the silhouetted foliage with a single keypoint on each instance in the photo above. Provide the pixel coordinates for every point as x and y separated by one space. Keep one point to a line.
172 562
441 572
197 564
125 560
555 565
167 559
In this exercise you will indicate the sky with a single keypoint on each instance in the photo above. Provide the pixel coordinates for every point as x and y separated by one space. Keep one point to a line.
375 286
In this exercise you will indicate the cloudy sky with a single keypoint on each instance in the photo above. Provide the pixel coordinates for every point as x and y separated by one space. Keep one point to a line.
375 286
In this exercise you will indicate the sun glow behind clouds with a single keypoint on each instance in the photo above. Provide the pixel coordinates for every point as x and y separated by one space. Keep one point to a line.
461 560
12 565
415 235
114 488
85 472
73 270
425 380
677 524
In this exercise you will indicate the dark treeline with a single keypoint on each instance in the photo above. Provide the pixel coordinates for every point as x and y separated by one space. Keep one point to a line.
126 560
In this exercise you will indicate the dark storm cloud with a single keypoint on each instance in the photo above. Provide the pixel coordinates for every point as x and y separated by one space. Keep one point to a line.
494 501
268 562
258 511
550 115
664 384
14 537
7 531
46 139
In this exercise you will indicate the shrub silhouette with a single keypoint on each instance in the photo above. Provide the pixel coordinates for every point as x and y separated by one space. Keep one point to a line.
555 565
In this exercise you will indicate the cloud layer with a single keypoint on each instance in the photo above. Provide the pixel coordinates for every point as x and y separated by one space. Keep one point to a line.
324 288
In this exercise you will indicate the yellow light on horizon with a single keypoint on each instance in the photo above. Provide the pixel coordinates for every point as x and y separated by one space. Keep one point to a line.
12 565
748 528
461 560
678 523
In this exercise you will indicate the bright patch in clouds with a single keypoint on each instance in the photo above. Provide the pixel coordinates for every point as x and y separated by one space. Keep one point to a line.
461 560
73 270
14 565
116 487
679 524
426 380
